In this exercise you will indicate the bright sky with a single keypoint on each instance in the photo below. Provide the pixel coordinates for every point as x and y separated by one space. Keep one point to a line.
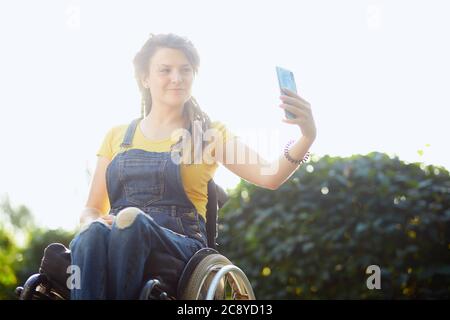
375 72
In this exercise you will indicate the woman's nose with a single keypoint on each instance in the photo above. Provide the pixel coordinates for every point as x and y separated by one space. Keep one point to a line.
176 77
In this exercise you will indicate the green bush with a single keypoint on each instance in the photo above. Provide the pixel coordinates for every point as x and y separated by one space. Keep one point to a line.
8 254
314 237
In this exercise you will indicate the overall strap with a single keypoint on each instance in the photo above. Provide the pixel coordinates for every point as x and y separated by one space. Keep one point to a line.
128 138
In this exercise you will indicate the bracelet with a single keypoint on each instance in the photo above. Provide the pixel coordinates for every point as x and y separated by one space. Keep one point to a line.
297 162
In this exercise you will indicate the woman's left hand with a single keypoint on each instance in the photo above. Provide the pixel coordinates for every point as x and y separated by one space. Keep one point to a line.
295 104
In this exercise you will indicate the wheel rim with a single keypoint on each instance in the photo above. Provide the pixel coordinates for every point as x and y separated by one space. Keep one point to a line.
216 277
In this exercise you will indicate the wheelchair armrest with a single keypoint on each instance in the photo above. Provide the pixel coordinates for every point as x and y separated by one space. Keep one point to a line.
54 265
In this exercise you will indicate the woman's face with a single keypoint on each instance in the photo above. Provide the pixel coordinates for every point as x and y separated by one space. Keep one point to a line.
170 77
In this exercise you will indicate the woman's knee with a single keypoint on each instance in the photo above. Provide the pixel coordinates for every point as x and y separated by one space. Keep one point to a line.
127 217
95 233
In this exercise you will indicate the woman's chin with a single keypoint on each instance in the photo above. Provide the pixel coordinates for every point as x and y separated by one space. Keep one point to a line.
176 102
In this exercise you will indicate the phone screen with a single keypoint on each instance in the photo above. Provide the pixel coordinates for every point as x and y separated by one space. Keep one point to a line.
286 80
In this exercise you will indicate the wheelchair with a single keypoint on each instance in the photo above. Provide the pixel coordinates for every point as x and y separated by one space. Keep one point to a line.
207 275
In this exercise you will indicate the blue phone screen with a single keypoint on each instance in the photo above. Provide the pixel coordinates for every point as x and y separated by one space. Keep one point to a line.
286 80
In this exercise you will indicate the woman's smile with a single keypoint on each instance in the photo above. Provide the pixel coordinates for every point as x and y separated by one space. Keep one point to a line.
176 91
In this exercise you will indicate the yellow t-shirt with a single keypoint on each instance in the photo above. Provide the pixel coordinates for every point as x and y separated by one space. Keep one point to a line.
195 177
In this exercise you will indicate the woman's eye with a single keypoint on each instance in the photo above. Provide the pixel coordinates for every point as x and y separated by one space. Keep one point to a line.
184 70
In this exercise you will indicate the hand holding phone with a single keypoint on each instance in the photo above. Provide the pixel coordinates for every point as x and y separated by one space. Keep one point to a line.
286 80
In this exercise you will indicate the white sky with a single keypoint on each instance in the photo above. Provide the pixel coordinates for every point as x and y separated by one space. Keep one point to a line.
375 72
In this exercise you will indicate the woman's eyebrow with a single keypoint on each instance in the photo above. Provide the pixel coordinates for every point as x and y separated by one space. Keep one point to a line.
168 65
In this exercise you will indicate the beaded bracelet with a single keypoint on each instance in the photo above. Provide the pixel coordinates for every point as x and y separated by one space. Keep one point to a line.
297 162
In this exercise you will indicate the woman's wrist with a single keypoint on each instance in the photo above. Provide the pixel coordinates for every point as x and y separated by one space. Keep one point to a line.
294 160
308 139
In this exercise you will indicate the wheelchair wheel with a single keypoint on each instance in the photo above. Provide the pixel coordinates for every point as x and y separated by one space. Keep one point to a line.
215 277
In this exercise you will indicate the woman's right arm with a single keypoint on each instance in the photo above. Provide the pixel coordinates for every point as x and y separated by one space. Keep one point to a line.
97 204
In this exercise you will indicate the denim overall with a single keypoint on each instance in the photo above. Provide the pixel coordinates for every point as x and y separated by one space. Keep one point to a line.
115 262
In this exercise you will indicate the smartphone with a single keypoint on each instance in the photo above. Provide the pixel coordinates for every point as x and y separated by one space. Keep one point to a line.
286 80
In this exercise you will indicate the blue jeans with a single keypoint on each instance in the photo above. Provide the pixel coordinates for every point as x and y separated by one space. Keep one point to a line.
114 261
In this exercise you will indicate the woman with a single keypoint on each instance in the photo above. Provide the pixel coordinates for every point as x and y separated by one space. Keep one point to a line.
148 195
